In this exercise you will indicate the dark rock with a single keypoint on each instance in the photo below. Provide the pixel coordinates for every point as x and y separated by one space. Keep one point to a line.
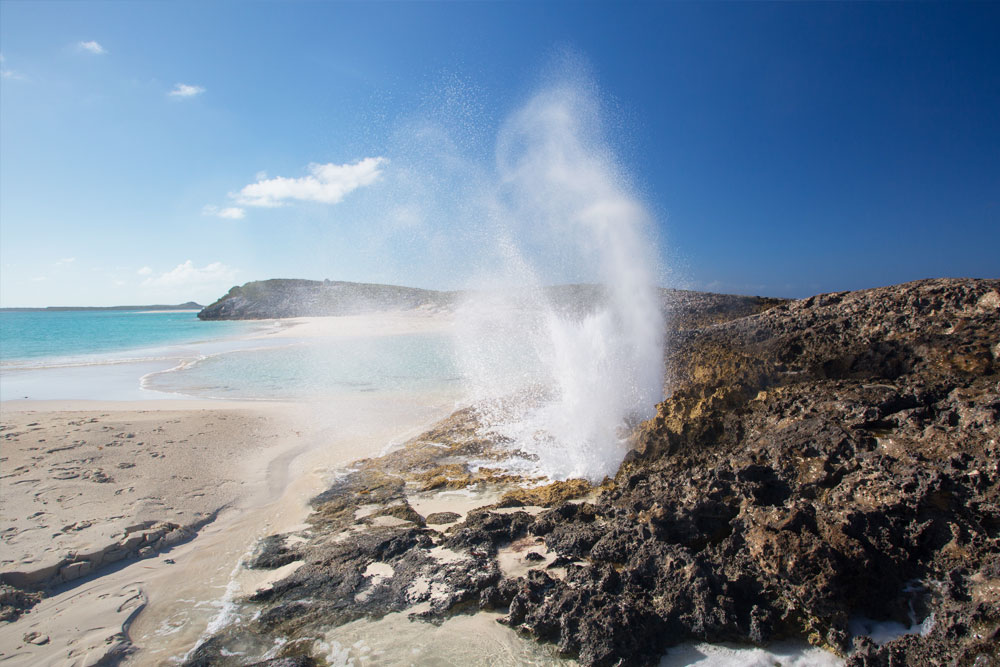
814 460
272 553
483 531
440 518
297 661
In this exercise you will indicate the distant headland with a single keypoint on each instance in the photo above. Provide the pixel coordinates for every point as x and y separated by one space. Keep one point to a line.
190 305
285 297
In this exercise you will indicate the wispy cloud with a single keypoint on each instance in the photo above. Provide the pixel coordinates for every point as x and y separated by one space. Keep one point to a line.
184 90
92 47
326 183
8 73
145 271
230 213
65 261
188 275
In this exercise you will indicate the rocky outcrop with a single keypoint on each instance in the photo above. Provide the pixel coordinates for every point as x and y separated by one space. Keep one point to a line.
831 457
815 461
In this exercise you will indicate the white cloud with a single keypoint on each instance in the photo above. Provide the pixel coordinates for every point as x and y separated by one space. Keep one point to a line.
184 90
145 271
92 47
66 260
187 275
230 213
327 184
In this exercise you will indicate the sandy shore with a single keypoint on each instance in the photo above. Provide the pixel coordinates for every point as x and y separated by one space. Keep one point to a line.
390 323
76 481
134 516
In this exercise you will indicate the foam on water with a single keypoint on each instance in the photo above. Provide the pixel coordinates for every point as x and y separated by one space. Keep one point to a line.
779 654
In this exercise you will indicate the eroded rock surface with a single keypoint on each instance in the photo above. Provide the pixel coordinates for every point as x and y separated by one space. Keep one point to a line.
823 459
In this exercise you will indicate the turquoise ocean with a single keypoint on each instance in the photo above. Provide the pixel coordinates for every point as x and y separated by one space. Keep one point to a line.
136 354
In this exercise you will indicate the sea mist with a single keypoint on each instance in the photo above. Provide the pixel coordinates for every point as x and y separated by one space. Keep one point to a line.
560 373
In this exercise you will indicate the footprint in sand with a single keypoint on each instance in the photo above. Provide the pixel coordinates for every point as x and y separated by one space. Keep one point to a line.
98 475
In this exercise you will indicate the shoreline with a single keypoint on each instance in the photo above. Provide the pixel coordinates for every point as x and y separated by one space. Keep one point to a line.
834 489
126 375
741 514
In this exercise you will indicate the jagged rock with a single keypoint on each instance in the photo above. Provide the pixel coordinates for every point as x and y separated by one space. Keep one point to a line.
814 460
272 553
440 518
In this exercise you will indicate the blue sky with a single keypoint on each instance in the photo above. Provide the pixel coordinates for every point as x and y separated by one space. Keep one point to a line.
160 152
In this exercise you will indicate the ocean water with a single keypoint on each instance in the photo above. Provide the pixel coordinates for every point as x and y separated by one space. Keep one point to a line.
132 355
47 336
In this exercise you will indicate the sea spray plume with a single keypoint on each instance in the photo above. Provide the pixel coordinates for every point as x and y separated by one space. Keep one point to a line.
585 372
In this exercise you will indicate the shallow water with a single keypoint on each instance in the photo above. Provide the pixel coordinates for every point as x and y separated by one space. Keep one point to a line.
197 593
299 369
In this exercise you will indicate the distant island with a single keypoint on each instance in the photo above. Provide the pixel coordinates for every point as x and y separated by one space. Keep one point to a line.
190 305
285 297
